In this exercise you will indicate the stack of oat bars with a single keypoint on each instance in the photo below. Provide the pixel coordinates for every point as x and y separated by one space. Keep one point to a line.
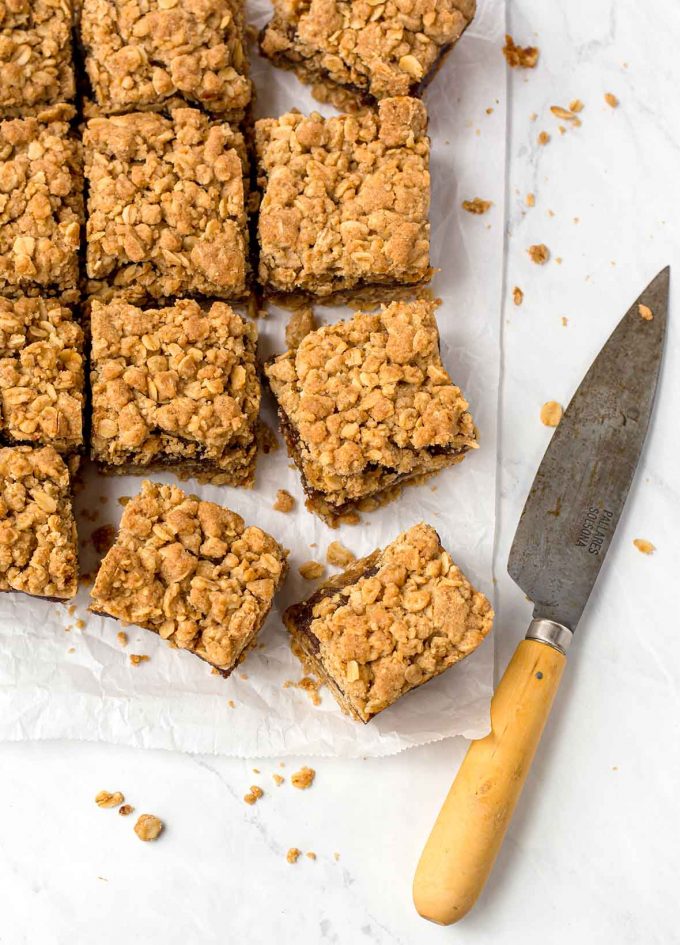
131 178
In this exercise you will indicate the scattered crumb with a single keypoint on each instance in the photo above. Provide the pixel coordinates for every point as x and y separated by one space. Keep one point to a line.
123 500
303 779
519 57
558 260
214 671
71 609
477 205
646 547
533 116
543 137
71 649
137 658
80 624
530 200
148 827
108 799
336 857
103 538
125 810
122 638
308 685
300 323
243 675
256 770
565 114
611 100
551 413
278 780
539 253
266 438
338 555
311 570
311 855
282 764
645 312
253 796
489 111
284 501
348 518
565 321
576 106
293 855
231 703
517 295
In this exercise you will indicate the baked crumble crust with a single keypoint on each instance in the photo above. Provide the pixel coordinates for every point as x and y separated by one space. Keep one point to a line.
367 403
38 540
36 64
391 622
369 48
167 205
345 199
175 387
164 52
41 374
41 210
192 572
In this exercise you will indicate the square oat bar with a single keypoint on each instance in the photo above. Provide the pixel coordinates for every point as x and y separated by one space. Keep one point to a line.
367 49
366 405
36 63
166 205
164 53
38 540
192 572
345 199
41 374
41 211
392 621
175 387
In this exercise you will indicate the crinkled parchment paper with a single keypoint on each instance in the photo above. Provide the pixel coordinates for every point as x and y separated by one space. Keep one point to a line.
79 683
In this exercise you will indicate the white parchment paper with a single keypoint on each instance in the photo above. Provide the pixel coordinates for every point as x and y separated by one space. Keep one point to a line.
59 679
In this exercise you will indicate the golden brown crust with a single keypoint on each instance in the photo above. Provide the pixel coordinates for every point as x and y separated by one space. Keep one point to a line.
166 206
146 56
38 540
366 47
41 373
192 572
41 212
36 66
391 622
345 199
175 386
368 403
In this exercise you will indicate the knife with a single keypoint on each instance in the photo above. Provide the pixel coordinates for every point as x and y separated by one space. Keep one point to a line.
562 539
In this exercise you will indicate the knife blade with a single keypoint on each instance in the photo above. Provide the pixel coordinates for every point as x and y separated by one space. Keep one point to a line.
581 486
562 538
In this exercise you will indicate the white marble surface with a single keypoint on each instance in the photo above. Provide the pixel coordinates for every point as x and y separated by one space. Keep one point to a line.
593 855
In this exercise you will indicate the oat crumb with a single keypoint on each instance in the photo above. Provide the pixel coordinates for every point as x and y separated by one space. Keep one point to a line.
530 200
122 638
137 658
543 137
517 295
336 857
231 703
611 100
243 676
311 855
338 555
301 322
148 827
644 311
576 106
256 770
565 114
646 547
551 413
303 779
123 500
311 570
519 57
565 321
278 780
125 810
539 253
477 205
80 624
108 799
253 795
293 855
284 501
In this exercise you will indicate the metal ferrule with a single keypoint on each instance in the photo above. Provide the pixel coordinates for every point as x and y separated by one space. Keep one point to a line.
548 631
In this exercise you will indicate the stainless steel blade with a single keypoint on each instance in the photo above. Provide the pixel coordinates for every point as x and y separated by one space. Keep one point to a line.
581 485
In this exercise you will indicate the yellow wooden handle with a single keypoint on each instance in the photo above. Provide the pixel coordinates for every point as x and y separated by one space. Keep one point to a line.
468 833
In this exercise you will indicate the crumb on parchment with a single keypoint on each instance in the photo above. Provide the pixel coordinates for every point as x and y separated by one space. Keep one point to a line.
517 295
551 413
300 323
543 137
293 855
311 570
539 253
109 799
645 312
125 810
611 100
231 703
148 827
338 555
253 796
137 658
122 638
309 685
477 205
303 779
646 547
284 501
311 855
576 106
530 200
565 114
519 57
278 780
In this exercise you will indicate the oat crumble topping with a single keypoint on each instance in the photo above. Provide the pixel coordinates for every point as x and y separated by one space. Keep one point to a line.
175 387
539 253
345 199
551 413
646 547
367 403
162 52
477 205
366 50
390 622
166 206
338 555
192 572
108 799
303 779
148 827
38 540
519 57
284 501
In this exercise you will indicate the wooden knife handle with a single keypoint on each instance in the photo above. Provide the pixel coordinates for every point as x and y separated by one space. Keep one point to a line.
469 830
